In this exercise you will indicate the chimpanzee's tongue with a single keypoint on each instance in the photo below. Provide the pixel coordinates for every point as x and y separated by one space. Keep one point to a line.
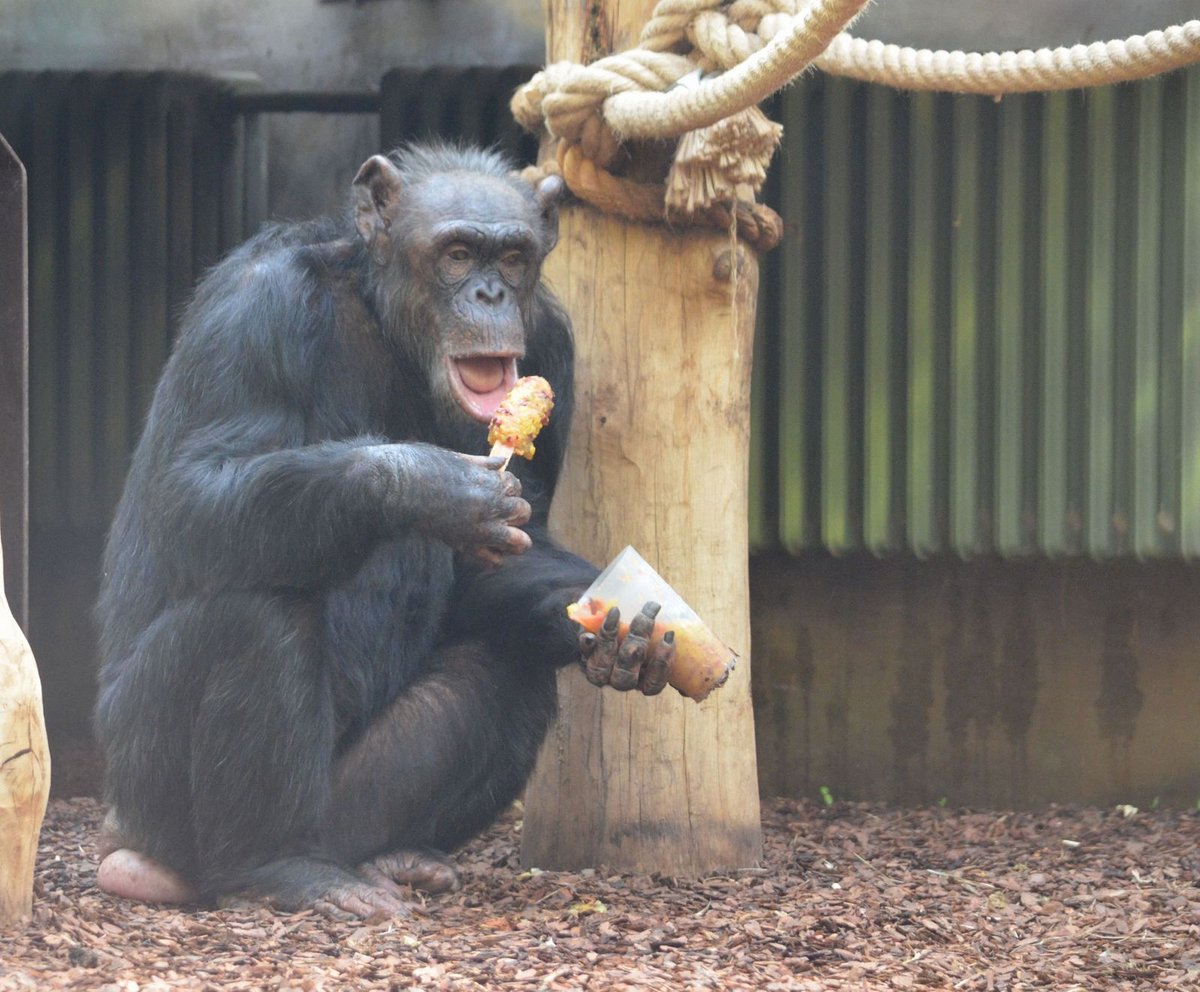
481 375
485 381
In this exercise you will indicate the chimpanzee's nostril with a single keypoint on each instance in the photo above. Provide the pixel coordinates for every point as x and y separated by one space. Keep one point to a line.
489 294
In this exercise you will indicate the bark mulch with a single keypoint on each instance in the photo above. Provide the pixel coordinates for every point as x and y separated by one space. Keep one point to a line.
849 896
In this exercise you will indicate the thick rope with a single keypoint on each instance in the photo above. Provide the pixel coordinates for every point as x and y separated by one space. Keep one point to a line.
763 44
756 47
1098 64
630 86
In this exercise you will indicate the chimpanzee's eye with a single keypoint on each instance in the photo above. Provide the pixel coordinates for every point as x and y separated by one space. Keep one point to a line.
513 264
456 261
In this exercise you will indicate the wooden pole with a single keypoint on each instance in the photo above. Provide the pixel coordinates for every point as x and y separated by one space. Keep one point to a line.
24 767
658 459
24 755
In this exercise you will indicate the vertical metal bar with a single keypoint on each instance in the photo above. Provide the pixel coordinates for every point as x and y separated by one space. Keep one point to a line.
236 191
1052 468
14 383
46 303
150 310
880 321
209 149
922 481
1010 410
764 388
254 172
116 427
1100 305
1147 318
181 127
1189 495
79 396
1170 319
966 292
838 443
796 508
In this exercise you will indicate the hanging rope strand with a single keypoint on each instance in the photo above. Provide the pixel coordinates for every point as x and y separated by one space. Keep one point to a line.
1098 64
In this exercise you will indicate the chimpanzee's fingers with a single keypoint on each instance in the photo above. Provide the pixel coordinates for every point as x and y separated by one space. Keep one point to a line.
598 664
491 462
512 485
657 666
516 511
633 649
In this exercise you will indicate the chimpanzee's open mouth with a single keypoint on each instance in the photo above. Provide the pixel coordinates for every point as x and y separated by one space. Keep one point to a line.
480 382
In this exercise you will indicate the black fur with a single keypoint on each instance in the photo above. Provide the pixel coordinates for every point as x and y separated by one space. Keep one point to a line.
301 668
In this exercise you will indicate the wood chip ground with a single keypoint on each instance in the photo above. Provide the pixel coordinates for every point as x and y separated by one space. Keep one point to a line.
849 896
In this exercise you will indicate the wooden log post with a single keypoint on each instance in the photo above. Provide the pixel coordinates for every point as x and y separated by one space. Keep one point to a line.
658 459
24 754
24 767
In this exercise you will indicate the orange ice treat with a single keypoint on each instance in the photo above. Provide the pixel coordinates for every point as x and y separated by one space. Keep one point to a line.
520 417
701 663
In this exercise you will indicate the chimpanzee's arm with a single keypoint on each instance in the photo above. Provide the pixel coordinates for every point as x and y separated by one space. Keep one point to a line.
521 605
294 516
229 489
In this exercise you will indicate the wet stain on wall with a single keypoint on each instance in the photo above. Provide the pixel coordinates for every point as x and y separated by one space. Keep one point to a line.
912 697
986 683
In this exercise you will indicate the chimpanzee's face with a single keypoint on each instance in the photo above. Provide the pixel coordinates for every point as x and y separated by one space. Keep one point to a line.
457 260
474 247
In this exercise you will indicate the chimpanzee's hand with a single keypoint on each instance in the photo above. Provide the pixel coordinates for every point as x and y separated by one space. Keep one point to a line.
476 508
632 661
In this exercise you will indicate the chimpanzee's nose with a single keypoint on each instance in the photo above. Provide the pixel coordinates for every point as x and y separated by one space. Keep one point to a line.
490 292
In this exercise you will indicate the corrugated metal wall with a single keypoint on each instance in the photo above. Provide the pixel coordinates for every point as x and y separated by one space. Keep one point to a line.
464 104
137 182
982 334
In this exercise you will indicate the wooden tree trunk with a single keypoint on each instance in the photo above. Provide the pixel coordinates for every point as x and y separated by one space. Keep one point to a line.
24 767
24 756
658 459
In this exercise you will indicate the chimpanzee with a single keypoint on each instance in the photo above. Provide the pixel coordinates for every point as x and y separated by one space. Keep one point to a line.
330 623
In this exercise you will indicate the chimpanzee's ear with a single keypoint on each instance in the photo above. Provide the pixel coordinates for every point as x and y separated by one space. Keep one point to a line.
376 204
547 193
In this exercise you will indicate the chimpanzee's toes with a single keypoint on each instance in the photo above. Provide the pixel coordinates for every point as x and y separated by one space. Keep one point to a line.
363 902
424 869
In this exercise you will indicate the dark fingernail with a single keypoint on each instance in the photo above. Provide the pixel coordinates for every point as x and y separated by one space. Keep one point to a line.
669 637
587 641
611 620
651 608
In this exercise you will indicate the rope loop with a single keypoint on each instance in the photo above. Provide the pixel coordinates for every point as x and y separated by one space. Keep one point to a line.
744 50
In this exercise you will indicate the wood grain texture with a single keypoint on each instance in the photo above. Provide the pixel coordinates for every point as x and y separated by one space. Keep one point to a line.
659 460
24 768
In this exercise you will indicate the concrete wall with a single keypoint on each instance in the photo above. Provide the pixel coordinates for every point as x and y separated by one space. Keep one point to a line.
1003 684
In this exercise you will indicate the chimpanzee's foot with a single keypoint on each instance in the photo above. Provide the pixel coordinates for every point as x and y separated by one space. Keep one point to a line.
297 883
422 868
130 874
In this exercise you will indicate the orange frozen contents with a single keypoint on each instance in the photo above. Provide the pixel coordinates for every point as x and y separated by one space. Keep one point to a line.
520 417
701 662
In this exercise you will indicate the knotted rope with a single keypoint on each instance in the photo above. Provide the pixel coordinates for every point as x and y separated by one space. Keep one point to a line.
734 54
